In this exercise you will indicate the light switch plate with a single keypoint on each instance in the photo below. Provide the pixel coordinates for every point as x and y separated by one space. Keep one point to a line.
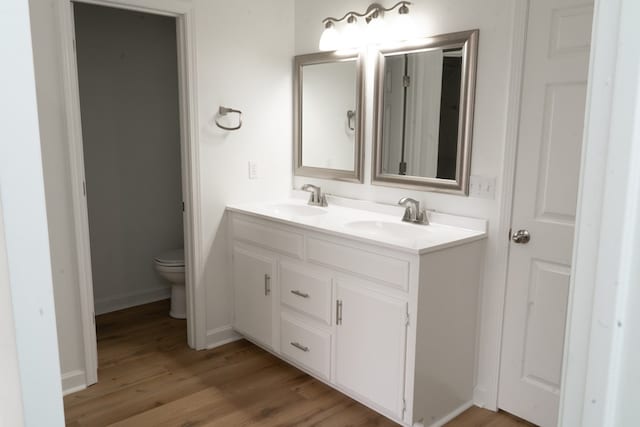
482 186
253 170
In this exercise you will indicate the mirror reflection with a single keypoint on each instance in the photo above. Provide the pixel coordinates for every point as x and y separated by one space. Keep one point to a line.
328 115
423 116
328 132
421 112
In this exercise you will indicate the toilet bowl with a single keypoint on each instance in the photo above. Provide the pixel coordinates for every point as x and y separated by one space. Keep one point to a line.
170 266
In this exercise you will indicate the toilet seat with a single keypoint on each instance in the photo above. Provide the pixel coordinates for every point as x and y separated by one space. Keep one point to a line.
172 258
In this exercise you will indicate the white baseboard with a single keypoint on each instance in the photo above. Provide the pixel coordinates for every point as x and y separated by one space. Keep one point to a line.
451 415
220 336
73 381
482 399
120 302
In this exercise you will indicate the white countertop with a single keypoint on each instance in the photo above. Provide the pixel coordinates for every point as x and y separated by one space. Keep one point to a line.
370 222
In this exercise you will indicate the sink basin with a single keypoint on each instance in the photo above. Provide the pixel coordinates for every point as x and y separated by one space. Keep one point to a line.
386 229
290 209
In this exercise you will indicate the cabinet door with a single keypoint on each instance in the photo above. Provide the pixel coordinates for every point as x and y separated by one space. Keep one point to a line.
253 280
371 345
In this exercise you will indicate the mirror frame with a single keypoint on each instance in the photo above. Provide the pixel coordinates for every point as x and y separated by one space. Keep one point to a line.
357 174
468 41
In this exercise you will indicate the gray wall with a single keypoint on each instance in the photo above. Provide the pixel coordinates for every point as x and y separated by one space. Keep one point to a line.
127 66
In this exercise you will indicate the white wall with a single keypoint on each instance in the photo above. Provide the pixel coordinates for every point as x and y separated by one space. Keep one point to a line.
494 19
244 60
25 268
10 390
128 76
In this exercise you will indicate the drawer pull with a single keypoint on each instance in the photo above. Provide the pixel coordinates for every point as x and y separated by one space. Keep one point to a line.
300 346
300 294
267 284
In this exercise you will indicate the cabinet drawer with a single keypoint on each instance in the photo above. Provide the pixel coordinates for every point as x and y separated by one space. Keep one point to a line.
308 347
306 289
283 241
392 271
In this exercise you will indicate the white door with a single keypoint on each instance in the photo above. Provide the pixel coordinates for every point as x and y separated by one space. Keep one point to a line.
548 163
370 345
253 281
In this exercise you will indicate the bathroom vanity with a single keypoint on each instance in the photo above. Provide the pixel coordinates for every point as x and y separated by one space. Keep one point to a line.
381 310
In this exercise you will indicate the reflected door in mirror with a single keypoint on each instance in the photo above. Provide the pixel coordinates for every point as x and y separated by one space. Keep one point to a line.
421 113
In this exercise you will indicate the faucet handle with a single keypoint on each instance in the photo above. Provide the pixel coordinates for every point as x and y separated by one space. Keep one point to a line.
422 217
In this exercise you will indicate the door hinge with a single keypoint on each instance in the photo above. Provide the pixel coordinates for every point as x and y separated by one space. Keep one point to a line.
407 320
509 235
84 188
406 81
404 406
182 206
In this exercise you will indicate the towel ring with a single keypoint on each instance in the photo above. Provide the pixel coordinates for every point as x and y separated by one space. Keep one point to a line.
223 111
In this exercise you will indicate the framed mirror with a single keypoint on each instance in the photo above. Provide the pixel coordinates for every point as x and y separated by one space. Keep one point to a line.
423 113
328 107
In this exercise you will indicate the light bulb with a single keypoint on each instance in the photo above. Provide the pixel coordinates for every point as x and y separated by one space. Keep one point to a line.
329 38
404 27
352 36
377 30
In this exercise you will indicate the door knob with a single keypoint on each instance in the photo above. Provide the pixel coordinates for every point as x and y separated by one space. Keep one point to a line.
521 236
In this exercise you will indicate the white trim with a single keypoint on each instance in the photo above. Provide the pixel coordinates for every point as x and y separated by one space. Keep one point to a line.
131 299
451 415
73 381
606 225
221 336
80 212
486 395
196 311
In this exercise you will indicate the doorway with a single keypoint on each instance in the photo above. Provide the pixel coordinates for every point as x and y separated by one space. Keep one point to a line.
179 17
128 80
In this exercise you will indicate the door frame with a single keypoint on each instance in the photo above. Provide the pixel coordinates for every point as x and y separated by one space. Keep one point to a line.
190 167
486 392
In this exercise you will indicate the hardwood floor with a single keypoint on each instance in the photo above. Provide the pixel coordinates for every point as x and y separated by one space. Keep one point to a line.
149 377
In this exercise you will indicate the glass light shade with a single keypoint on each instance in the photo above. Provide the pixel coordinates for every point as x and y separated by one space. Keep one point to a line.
377 31
351 36
329 39
404 27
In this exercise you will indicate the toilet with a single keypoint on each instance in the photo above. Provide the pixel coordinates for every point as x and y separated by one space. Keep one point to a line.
170 265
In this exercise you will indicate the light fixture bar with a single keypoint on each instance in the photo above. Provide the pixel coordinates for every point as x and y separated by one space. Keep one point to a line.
351 37
373 11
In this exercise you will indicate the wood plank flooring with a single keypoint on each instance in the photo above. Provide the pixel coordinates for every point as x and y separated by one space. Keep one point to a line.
149 377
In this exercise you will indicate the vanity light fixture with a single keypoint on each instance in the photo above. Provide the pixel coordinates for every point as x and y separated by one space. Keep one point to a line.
352 36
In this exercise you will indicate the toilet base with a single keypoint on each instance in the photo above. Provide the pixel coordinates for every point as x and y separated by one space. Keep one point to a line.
178 301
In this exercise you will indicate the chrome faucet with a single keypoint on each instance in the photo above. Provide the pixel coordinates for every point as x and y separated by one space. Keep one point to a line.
317 198
413 213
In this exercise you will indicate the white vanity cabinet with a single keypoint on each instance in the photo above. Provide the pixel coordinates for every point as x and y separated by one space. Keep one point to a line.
371 331
253 277
392 328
